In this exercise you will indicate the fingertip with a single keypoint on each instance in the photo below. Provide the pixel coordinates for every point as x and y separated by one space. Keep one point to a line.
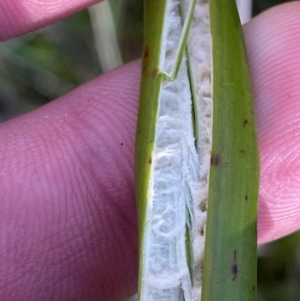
72 162
19 17
273 43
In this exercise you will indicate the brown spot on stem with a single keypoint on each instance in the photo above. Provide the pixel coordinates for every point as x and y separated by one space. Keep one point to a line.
245 122
214 160
242 151
150 160
246 197
154 72
146 52
253 287
146 59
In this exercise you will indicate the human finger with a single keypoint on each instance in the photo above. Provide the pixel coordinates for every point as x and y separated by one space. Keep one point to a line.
67 205
21 16
273 43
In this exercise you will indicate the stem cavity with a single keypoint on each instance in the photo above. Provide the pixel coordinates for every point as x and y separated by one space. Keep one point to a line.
178 190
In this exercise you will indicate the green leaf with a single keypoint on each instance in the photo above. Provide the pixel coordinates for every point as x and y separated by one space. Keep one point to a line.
231 239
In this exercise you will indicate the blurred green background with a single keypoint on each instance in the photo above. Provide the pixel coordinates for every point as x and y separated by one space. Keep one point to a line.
41 66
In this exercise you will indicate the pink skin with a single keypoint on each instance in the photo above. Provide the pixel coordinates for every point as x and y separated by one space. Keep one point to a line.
20 16
273 43
67 207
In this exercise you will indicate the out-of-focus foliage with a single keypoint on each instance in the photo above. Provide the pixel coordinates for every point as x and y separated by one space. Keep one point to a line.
279 269
128 15
45 64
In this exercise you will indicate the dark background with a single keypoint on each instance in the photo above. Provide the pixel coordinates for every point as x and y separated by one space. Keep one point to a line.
40 66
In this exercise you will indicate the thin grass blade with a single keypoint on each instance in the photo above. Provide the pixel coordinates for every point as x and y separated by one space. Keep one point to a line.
230 251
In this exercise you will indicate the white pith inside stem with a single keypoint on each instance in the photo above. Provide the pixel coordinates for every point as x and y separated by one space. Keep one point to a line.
179 180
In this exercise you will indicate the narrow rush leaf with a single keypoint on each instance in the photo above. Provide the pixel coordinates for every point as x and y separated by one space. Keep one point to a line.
230 254
173 150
